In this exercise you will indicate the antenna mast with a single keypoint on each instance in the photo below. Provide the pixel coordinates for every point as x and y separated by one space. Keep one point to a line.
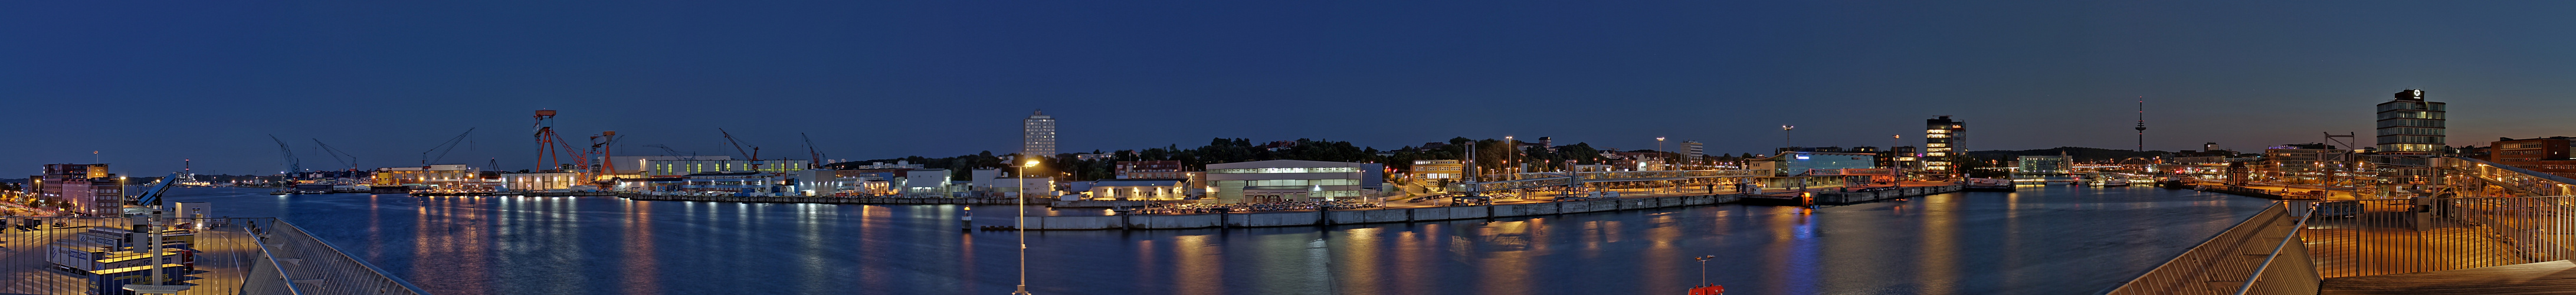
2142 123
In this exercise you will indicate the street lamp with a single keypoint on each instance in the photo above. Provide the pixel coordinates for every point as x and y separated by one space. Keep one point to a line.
1515 147
1784 135
1659 151
1022 227
1703 268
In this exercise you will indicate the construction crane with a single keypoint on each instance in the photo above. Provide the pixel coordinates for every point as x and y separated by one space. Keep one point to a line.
817 157
336 154
292 166
445 147
754 153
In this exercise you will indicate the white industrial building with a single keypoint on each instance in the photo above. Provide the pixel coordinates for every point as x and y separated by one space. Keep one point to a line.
1292 180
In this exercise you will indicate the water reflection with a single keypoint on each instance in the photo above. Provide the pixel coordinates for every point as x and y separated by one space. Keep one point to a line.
2043 240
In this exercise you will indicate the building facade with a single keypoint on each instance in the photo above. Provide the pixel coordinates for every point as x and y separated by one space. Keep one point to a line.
439 178
2409 125
1945 143
1166 169
1292 180
1436 170
1037 135
2043 165
2309 166
1137 189
86 189
1692 151
2544 155
1815 163
676 168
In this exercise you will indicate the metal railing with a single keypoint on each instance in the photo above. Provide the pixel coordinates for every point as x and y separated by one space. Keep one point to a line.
2397 236
2261 255
231 256
312 266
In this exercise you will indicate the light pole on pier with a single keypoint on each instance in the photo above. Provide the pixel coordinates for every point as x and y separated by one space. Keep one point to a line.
1784 136
1703 268
1023 227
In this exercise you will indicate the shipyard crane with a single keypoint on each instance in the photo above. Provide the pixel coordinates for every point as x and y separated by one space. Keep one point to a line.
817 157
737 147
336 154
666 150
444 148
600 145
292 166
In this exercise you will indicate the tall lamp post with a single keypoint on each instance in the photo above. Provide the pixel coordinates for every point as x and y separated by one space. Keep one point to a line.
1703 268
1515 147
1784 135
1659 152
1023 227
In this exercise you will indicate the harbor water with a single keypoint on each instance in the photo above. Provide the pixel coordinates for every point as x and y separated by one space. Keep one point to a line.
2041 240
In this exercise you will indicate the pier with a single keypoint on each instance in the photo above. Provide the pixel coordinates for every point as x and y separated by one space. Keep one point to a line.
2492 229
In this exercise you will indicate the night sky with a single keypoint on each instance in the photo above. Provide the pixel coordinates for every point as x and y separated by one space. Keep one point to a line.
151 82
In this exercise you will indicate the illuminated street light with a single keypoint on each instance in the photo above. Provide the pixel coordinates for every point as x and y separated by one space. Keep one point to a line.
1022 226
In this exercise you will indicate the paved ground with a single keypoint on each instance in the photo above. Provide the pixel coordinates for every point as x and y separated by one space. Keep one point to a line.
223 257
2554 277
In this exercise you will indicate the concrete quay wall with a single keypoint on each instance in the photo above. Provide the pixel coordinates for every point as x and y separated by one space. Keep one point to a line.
1883 194
832 200
1333 217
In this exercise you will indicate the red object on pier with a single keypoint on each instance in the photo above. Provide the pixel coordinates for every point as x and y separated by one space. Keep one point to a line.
1708 290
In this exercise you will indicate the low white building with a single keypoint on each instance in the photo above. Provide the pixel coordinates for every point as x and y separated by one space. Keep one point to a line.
668 168
1292 180
1137 189
544 181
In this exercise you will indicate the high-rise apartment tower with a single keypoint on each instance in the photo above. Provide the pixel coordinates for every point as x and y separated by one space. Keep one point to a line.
1037 137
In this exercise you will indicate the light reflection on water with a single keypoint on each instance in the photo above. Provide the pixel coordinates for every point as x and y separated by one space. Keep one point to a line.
2049 240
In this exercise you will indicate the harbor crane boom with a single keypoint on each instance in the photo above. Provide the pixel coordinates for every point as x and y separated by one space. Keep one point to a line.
737 147
292 166
816 160
445 147
336 154
667 151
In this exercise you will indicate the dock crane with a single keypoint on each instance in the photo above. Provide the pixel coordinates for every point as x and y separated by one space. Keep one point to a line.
602 145
737 147
444 148
335 154
667 151
817 157
292 166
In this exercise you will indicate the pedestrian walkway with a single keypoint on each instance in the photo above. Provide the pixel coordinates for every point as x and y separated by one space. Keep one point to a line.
2552 277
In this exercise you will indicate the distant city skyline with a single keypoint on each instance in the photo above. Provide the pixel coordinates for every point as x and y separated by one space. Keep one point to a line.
150 85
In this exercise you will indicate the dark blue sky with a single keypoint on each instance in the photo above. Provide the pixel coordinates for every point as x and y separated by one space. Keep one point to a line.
150 83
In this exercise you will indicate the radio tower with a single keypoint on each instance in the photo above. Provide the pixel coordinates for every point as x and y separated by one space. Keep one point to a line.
2142 123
